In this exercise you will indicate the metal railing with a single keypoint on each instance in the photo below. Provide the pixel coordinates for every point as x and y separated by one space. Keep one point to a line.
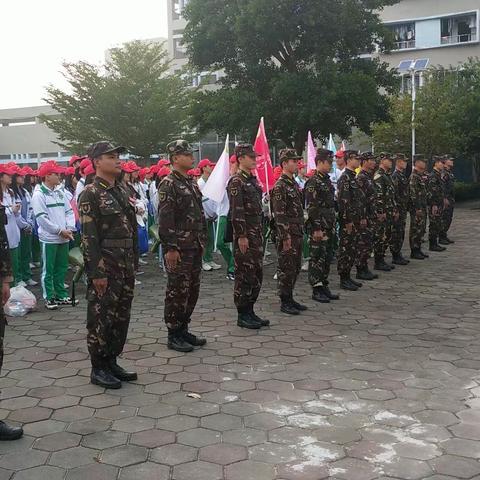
467 37
405 44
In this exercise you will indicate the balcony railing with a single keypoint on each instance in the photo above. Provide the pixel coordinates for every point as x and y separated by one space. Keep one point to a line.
404 45
470 37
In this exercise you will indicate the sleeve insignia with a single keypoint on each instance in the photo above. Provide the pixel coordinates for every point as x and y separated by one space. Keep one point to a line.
85 208
234 191
162 196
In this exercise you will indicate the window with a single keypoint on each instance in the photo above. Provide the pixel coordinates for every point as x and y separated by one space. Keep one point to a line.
459 29
178 6
404 35
179 51
208 79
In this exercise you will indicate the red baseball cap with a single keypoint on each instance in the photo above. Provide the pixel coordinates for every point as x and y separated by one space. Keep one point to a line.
163 162
28 170
205 163
75 158
6 169
84 164
70 171
233 159
133 166
339 154
49 167
88 170
194 172
164 171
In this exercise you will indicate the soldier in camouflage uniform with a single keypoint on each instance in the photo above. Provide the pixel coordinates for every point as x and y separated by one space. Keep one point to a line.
287 209
436 202
400 182
386 208
366 235
449 181
417 202
245 196
109 240
319 195
352 217
6 277
183 232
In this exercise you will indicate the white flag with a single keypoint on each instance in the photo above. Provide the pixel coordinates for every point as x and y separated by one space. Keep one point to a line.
311 153
215 187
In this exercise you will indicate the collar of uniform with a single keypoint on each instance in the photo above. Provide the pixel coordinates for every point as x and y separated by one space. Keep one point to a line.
287 178
349 172
320 174
100 182
46 190
245 175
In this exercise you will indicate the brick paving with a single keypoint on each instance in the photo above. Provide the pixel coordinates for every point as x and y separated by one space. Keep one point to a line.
381 385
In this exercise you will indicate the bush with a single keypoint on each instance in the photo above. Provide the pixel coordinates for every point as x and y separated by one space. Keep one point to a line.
466 191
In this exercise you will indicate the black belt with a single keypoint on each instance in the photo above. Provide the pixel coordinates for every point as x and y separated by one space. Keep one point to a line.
117 243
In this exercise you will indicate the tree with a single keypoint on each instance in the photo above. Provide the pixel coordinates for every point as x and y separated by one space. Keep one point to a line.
298 63
131 100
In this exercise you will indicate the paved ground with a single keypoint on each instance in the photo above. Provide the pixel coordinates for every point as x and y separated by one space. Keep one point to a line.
383 384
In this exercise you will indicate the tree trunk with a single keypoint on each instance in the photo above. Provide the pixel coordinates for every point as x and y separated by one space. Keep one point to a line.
300 141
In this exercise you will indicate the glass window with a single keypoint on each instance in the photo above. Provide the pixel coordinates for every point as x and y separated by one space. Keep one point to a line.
404 35
459 29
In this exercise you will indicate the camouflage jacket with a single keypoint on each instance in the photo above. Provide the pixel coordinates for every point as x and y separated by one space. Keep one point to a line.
365 181
435 188
352 203
319 195
5 266
181 220
417 192
449 181
287 208
400 182
109 230
384 193
245 196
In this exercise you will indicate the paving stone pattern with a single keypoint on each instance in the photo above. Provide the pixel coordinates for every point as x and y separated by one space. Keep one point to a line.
383 384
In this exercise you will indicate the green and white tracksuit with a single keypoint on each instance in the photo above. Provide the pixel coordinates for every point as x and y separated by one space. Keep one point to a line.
53 214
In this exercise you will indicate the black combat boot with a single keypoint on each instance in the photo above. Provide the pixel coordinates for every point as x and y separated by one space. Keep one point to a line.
329 294
246 320
443 241
417 254
287 306
102 376
261 321
398 259
10 433
177 342
192 339
319 295
425 255
120 373
298 306
346 284
357 284
381 265
363 273
435 247
449 240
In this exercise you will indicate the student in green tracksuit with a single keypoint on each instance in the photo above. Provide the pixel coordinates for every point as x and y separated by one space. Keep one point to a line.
56 225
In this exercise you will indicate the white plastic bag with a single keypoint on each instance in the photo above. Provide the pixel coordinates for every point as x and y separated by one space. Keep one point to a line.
21 302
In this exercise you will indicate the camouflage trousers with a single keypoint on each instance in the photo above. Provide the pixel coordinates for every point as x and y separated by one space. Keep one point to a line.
347 250
435 225
321 254
398 233
183 288
289 265
447 218
383 237
365 244
248 271
108 318
418 227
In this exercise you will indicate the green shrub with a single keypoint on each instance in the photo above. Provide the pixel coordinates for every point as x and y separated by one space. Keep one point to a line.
467 191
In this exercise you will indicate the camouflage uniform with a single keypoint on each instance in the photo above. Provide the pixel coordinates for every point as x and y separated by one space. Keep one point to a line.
245 196
320 202
287 209
366 235
435 196
351 209
417 198
109 240
449 181
182 227
400 182
384 204
5 273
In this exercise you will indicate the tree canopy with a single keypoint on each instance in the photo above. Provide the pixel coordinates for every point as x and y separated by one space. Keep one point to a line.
131 100
298 63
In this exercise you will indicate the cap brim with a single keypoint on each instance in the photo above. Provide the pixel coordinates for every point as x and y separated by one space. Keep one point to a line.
115 150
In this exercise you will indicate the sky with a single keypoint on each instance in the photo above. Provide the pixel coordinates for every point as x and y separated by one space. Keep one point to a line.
38 35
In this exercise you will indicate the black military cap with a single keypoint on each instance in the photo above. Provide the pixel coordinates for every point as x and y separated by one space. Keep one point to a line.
103 147
384 155
448 157
400 156
419 156
323 154
245 149
288 154
438 158
179 147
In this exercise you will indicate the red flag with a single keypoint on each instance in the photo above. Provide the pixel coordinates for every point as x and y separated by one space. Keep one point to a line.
265 174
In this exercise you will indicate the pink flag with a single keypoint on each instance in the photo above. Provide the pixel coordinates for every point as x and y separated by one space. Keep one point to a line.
264 162
311 153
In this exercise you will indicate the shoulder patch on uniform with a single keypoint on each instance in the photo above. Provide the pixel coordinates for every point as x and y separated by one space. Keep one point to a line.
234 191
162 196
377 176
85 208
